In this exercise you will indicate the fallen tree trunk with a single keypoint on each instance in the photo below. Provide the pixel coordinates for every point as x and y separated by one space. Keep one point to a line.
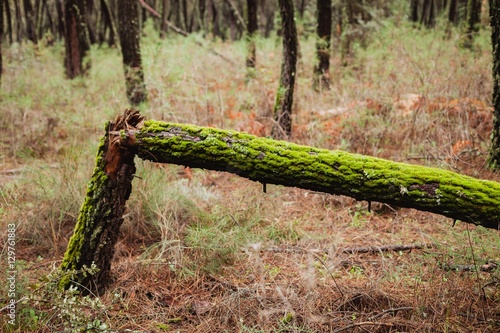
283 163
260 159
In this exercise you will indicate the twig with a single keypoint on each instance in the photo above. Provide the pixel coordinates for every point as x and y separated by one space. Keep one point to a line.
353 250
390 311
363 323
182 32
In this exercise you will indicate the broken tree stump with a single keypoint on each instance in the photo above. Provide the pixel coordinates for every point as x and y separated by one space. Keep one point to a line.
101 215
259 159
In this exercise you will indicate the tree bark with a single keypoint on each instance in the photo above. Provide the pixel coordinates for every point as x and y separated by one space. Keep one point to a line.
9 20
336 172
323 31
494 157
128 17
163 25
252 31
453 12
1 39
30 20
101 215
414 11
76 38
284 97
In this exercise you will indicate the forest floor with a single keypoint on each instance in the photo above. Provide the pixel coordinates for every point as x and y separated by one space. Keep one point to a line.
204 251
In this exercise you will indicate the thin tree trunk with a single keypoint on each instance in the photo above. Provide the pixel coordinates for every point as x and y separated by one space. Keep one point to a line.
252 28
9 20
453 12
494 157
1 39
323 31
284 97
76 39
163 25
19 20
128 17
30 21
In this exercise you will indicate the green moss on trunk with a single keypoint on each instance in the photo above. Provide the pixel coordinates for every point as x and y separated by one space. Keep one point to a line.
361 177
101 214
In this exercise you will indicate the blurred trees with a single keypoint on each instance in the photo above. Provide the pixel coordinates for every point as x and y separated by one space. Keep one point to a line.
80 23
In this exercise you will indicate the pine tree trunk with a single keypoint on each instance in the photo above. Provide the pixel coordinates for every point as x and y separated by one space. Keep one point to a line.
284 97
323 31
30 21
1 38
76 38
494 158
128 17
252 30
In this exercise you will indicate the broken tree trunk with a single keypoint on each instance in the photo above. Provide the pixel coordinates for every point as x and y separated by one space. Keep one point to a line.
101 214
260 159
336 172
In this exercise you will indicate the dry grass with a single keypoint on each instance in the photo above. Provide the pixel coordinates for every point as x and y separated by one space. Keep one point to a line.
203 251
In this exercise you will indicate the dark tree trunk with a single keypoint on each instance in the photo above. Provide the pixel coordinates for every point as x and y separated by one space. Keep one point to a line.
19 20
30 21
76 38
91 23
185 16
494 158
284 97
164 14
453 12
323 31
202 8
128 17
1 38
252 31
9 20
414 11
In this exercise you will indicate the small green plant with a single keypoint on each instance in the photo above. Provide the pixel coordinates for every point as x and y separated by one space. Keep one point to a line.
47 306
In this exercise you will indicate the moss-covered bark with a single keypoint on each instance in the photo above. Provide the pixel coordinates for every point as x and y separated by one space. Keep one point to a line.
361 177
101 214
494 158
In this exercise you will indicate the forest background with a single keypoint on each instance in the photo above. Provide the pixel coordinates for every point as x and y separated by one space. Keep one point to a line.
204 251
